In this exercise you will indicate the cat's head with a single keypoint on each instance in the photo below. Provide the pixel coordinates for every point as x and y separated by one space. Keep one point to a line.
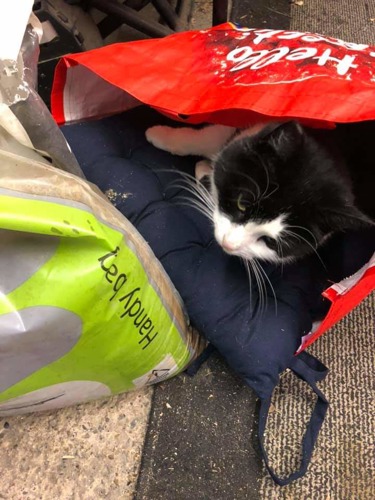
279 194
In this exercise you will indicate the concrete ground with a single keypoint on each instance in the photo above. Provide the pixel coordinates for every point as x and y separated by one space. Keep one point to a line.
85 452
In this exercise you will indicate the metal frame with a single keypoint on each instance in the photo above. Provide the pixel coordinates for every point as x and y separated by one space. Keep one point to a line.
221 10
172 19
175 20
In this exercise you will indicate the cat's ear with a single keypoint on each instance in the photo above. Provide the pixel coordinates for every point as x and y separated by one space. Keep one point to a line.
345 218
286 139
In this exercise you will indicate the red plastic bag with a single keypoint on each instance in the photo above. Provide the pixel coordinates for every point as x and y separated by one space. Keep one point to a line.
235 77
222 74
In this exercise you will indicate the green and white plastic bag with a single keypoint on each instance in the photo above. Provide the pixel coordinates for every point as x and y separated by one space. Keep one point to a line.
86 310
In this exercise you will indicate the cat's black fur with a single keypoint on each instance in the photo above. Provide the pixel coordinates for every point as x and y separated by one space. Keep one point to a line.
309 179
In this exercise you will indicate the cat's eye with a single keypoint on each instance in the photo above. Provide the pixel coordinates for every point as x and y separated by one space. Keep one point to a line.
242 205
268 240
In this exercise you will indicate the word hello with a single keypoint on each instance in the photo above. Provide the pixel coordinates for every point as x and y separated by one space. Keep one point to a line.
246 57
261 35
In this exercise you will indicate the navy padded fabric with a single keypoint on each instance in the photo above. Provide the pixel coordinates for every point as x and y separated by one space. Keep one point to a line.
214 286
114 154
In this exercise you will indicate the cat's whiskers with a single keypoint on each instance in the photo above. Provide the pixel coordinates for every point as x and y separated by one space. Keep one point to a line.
308 231
202 194
197 206
260 285
271 193
262 271
280 251
202 199
234 200
261 162
185 185
247 267
247 190
298 236
253 181
198 185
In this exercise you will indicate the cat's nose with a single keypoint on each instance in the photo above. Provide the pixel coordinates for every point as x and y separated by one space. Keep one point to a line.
230 245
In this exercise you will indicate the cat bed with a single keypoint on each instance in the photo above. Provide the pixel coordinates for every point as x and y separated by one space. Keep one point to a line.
256 334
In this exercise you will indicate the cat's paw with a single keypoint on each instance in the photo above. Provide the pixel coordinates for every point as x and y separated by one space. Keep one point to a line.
160 137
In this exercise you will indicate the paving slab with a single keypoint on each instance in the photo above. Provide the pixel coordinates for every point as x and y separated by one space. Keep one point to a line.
85 452
200 441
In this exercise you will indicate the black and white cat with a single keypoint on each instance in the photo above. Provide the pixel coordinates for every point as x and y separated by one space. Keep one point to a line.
277 191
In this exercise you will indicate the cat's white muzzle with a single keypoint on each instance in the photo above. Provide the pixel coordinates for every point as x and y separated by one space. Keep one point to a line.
244 240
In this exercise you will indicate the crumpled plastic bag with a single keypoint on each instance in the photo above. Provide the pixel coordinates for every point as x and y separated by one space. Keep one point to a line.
86 310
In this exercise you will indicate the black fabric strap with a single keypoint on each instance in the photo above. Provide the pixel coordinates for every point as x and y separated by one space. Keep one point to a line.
311 370
192 369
